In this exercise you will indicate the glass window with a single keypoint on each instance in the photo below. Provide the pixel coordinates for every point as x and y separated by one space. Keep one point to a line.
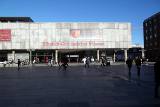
146 24
150 22
150 36
150 29
150 44
146 38
155 43
155 35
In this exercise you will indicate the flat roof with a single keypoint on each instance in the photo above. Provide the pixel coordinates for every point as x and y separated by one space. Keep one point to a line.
15 19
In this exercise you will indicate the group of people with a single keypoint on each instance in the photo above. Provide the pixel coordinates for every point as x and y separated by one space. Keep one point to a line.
138 65
87 61
104 62
138 62
63 63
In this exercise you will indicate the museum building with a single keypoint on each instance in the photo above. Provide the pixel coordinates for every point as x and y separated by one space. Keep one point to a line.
21 38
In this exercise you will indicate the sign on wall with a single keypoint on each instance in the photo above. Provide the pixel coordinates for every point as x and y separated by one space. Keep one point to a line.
5 34
75 33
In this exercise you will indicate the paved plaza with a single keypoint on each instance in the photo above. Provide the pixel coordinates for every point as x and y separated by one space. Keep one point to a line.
44 86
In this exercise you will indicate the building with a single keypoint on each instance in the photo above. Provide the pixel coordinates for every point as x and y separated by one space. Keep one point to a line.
151 30
15 19
29 40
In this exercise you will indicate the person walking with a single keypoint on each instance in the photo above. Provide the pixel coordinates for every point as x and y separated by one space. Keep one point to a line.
129 64
64 63
19 63
87 62
102 61
138 64
34 62
5 63
52 62
92 60
157 78
84 61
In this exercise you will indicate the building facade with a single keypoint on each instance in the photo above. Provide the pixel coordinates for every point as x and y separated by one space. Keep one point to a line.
52 40
151 28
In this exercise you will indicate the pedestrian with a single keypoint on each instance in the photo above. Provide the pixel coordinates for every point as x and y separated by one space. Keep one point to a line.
5 63
49 62
102 61
64 63
52 62
138 64
19 63
157 77
84 60
34 62
87 62
129 64
92 59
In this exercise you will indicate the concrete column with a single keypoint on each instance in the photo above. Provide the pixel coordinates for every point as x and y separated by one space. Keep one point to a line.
98 55
13 56
56 56
142 53
36 55
30 56
125 55
114 56
52 55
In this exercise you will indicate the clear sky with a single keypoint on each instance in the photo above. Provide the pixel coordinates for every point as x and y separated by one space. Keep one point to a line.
134 11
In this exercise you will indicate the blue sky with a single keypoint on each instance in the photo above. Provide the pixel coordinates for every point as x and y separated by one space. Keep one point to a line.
134 11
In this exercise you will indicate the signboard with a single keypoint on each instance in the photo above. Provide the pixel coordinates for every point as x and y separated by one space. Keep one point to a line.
5 34
75 33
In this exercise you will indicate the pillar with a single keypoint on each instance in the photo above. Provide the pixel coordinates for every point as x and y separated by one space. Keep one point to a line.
13 56
36 55
97 55
52 56
125 55
30 57
114 56
142 53
56 56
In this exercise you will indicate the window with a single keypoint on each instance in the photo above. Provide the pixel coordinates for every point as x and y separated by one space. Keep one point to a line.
146 38
150 29
150 36
150 44
150 22
146 24
155 27
155 43
155 35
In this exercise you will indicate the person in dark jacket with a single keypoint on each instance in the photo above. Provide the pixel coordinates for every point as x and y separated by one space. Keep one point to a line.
138 64
19 63
87 62
129 64
157 77
64 63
